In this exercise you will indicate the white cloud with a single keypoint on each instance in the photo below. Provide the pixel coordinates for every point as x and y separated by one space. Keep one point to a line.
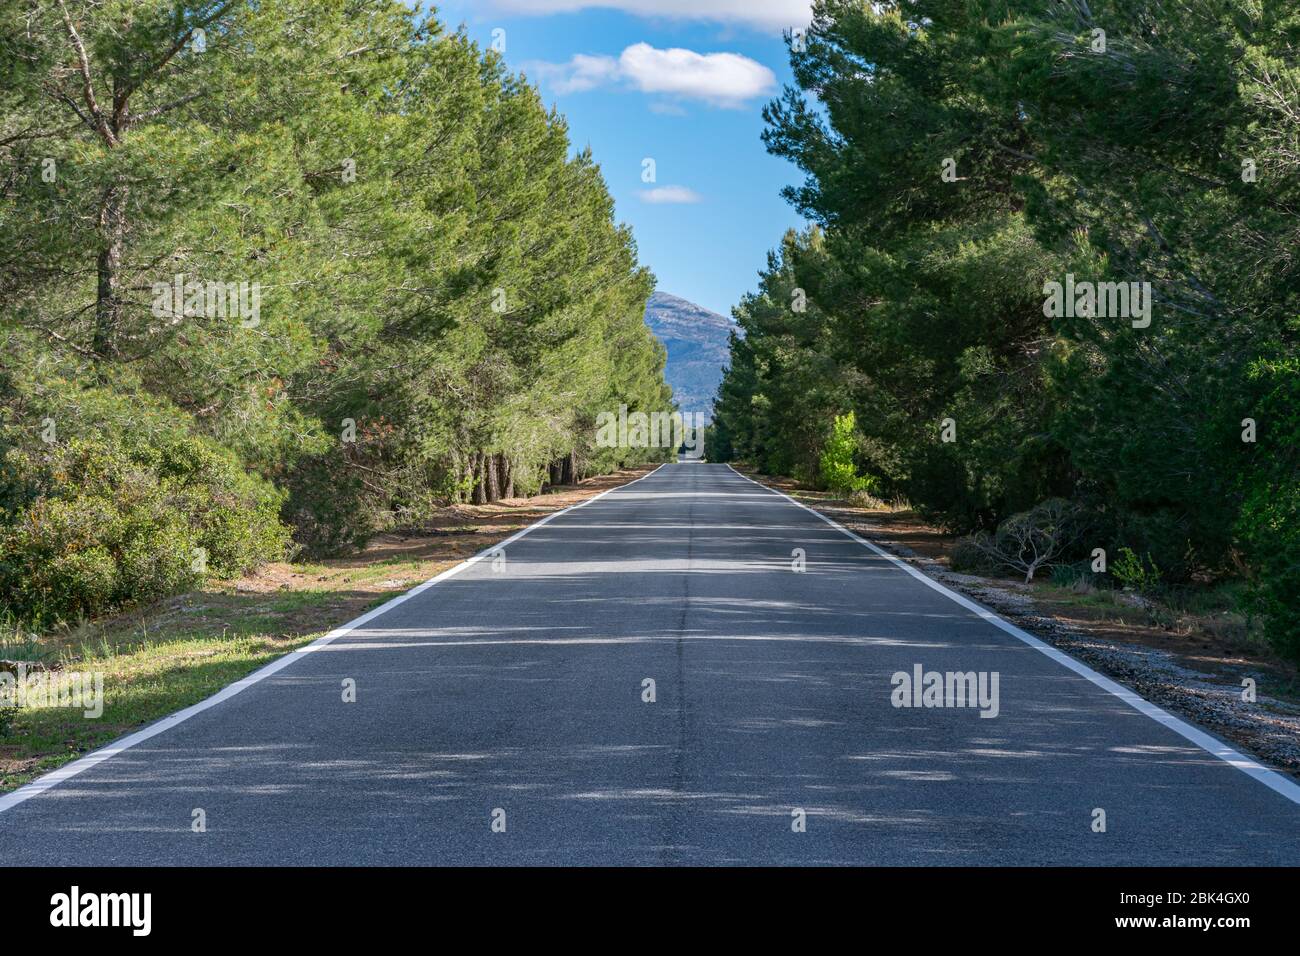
670 195
580 74
723 79
727 79
766 14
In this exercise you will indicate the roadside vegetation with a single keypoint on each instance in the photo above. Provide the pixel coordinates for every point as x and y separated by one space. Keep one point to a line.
276 277
967 166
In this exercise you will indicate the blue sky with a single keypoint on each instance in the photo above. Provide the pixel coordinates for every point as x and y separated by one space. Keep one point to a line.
683 85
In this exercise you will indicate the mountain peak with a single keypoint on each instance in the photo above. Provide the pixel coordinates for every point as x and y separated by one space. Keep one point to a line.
698 344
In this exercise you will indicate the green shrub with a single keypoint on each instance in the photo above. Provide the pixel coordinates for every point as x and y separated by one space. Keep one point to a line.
1272 532
328 508
86 526
1140 574
970 557
838 468
1166 539
1077 575
1268 526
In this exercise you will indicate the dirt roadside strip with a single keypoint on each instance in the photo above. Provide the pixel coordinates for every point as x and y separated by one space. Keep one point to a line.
161 658
1188 669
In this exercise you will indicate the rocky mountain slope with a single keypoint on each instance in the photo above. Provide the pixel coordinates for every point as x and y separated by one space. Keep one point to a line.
697 343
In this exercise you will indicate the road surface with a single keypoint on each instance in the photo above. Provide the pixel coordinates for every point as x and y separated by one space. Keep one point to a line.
514 692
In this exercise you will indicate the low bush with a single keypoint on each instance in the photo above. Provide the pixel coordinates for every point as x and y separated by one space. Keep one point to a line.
1268 526
1033 540
1076 575
967 556
838 459
1136 573
328 508
86 526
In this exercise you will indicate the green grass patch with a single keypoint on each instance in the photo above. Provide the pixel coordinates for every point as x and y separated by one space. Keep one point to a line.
153 665
142 683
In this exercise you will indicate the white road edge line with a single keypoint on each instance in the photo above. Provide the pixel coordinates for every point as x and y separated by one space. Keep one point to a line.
1269 778
56 777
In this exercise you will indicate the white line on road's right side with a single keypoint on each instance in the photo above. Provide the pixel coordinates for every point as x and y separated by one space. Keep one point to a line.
1269 778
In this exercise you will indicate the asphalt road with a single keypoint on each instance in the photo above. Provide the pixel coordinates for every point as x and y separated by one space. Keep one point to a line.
520 688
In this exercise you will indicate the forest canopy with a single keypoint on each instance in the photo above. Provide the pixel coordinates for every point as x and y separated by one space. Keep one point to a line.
275 274
1052 259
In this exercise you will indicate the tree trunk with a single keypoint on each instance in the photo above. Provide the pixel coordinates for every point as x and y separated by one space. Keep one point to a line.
108 268
492 465
480 479
111 222
507 478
